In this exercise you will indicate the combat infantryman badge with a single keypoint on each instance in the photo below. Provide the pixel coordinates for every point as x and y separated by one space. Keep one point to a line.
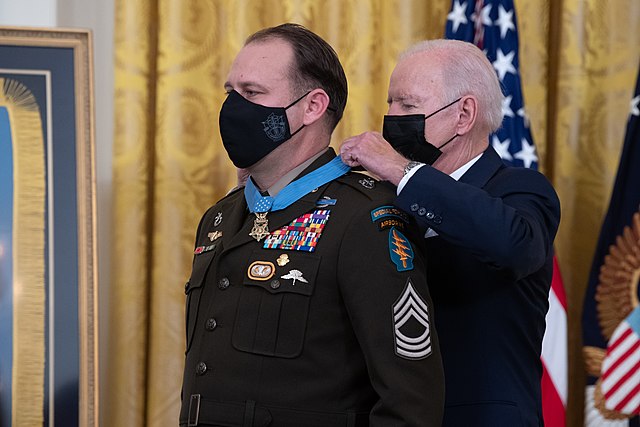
325 201
260 228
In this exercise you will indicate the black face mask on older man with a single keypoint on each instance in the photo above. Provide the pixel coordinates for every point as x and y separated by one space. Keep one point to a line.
250 131
405 133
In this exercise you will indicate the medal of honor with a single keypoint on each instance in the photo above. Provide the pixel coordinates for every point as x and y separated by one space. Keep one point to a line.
260 228
260 205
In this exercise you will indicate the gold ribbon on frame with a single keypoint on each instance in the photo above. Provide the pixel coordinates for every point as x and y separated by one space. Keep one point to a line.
29 191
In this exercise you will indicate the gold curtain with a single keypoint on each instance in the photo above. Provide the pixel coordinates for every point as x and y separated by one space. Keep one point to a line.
579 60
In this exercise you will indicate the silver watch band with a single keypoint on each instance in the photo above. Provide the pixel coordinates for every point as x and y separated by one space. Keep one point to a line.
410 165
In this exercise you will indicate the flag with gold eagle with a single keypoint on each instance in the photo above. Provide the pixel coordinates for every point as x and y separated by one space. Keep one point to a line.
611 316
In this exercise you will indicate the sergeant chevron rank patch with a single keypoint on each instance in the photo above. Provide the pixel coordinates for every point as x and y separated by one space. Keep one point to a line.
411 325
400 250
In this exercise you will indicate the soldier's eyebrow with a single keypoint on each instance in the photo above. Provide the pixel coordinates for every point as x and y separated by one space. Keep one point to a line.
248 85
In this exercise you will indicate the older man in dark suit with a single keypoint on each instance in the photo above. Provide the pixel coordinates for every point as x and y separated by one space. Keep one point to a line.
489 228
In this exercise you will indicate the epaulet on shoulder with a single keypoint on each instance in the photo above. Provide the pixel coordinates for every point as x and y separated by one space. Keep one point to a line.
231 193
371 187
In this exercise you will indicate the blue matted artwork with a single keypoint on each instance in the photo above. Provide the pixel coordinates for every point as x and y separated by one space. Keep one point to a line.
48 283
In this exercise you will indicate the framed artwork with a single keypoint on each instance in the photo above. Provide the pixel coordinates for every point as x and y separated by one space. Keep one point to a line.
48 271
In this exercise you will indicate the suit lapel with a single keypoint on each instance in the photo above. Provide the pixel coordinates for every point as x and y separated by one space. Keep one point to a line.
486 166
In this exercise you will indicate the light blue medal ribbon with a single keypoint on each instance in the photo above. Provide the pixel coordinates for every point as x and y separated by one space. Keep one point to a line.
295 190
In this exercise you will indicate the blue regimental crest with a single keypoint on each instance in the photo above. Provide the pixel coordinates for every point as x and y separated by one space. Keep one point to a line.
274 127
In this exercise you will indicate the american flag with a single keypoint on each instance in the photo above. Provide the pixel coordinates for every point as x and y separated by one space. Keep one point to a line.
491 25
621 367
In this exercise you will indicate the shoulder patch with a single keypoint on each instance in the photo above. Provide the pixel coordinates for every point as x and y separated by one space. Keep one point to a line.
388 212
389 216
384 224
400 250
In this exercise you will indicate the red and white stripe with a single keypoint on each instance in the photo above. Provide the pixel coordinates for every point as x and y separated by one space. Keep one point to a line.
621 371
554 355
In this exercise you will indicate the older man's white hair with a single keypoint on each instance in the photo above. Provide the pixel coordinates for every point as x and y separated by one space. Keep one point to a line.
466 71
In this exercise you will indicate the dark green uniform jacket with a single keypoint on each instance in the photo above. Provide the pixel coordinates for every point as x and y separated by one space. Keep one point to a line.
343 335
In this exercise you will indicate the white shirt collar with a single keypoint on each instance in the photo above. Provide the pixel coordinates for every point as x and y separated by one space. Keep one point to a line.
457 174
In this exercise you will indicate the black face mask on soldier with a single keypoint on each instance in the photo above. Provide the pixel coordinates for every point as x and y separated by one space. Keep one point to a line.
250 131
406 135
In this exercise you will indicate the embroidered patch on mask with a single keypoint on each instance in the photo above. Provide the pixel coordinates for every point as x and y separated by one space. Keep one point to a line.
274 127
400 250
302 234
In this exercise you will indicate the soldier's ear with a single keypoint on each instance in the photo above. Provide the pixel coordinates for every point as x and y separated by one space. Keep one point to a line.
316 104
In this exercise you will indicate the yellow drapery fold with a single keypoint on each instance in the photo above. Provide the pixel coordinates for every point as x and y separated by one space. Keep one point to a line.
579 60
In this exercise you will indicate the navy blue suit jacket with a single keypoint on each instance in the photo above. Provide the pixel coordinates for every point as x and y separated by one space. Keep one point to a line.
489 273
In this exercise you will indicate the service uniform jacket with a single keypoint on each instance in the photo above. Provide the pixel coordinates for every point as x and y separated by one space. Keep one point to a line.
341 336
489 271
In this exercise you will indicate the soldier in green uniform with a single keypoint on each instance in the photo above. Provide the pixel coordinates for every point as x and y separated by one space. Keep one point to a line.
307 304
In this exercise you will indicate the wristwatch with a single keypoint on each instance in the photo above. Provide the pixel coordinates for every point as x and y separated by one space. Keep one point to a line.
412 164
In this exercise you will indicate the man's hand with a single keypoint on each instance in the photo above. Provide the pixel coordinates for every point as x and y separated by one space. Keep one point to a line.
371 151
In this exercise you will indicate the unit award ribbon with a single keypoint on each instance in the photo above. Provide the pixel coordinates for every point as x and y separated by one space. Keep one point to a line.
261 205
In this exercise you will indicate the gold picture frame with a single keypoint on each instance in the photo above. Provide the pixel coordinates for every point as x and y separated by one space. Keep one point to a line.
47 119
